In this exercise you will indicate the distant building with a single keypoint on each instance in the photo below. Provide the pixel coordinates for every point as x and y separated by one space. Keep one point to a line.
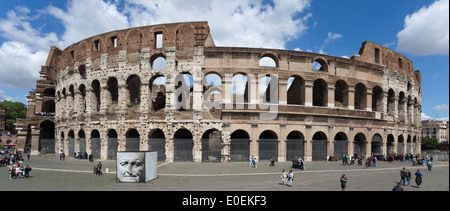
435 129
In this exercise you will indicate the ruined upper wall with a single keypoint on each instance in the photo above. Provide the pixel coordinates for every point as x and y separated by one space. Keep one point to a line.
178 35
377 54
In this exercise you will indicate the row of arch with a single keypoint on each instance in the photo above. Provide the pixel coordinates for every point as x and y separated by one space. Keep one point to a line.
242 84
212 146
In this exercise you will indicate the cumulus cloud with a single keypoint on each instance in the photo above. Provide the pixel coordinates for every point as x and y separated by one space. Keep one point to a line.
426 32
442 107
249 23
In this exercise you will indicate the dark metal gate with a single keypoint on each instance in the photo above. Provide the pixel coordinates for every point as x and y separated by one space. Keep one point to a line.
295 148
183 149
340 148
268 148
71 147
319 150
82 145
112 148
240 150
96 148
377 145
158 145
47 146
211 150
132 144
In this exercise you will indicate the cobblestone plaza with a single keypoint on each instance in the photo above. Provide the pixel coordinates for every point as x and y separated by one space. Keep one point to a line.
77 175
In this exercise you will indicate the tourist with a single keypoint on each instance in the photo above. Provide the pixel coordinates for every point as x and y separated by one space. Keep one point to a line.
99 169
408 176
429 165
27 171
283 177
403 175
290 178
418 178
343 182
398 187
272 161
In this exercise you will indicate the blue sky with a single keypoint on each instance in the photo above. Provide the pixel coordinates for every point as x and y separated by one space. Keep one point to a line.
419 29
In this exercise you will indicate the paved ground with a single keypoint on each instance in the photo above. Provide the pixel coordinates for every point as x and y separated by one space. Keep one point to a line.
73 175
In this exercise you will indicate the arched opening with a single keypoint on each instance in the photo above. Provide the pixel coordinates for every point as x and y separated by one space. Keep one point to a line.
212 146
96 89
359 145
360 96
319 146
320 65
47 137
295 145
82 139
82 90
340 145
113 89
112 144
158 92
240 88
390 144
157 143
71 137
134 88
96 144
159 63
268 61
400 144
184 91
212 91
391 102
182 145
132 140
401 106
296 90
268 145
239 146
320 93
48 107
377 145
377 99
268 89
341 94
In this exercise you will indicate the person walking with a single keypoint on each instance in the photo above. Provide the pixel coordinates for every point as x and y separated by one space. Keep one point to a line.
343 182
418 178
27 171
283 177
99 168
290 178
408 177
402 176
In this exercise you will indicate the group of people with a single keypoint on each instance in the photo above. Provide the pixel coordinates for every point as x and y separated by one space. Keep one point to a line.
405 179
17 171
287 178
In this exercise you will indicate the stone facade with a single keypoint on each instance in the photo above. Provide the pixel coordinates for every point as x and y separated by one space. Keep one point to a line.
149 88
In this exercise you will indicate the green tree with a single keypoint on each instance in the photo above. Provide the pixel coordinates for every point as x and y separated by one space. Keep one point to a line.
13 111
429 143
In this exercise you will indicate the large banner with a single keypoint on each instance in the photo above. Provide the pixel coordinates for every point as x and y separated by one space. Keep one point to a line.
136 166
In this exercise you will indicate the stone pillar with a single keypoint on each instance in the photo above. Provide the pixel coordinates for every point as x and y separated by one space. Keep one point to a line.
282 93
351 97
368 101
309 93
331 89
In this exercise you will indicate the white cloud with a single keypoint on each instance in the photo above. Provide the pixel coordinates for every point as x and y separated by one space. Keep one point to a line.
233 22
426 32
423 116
20 65
442 107
331 37
250 23
86 18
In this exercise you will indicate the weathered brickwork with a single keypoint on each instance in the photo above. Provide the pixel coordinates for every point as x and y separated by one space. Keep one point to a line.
122 91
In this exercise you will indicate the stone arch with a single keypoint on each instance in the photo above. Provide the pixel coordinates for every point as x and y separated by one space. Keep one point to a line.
377 99
320 92
158 61
132 140
295 145
340 144
134 89
296 90
320 64
157 143
96 144
319 146
158 92
212 145
182 145
341 94
268 145
377 144
95 85
112 144
359 145
239 145
47 137
113 88
360 96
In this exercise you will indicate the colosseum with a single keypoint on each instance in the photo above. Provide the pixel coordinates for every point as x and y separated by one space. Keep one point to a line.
169 88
